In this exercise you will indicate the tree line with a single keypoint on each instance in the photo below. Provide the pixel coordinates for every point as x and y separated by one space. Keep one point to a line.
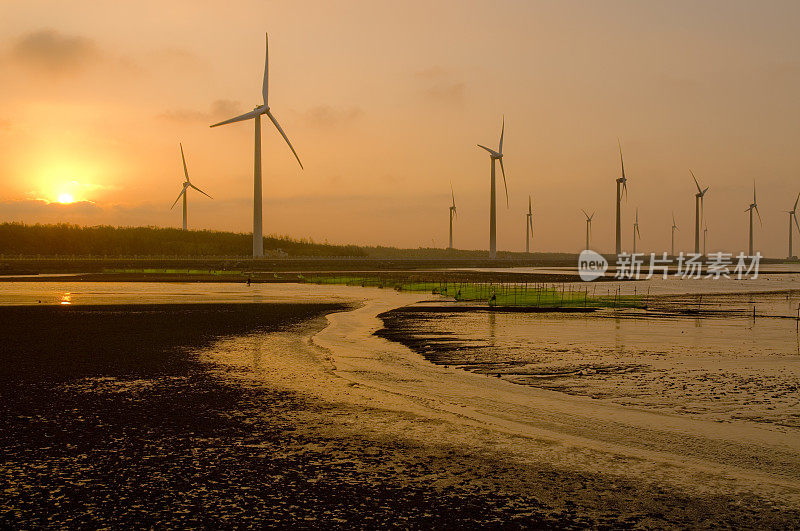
103 240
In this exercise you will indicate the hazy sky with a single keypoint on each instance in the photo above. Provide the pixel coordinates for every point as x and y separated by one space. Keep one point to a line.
385 101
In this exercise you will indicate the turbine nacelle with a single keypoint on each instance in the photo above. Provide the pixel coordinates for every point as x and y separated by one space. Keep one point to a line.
494 154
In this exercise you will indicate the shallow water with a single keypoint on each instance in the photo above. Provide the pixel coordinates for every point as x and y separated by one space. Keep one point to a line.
723 369
25 293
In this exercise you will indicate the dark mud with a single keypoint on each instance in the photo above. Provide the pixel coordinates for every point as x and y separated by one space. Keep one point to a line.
107 418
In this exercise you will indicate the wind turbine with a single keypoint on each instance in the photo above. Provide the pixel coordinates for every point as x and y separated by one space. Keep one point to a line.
588 227
622 187
453 214
698 212
186 185
753 206
636 231
495 156
674 228
705 234
792 216
529 226
255 114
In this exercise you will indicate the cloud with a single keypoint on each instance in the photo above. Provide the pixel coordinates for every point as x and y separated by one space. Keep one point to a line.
219 110
439 85
327 116
50 51
42 211
452 92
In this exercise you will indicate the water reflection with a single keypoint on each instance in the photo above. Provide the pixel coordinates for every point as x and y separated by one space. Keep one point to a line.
66 298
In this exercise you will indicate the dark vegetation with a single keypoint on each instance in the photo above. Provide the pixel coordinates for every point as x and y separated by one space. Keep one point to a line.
66 239
106 241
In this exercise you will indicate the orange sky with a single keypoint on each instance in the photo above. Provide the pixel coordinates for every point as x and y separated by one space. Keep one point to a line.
385 102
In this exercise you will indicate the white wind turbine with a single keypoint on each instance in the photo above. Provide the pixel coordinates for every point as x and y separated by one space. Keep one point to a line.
495 156
186 185
753 206
529 226
588 227
698 212
636 230
453 213
255 114
674 228
792 215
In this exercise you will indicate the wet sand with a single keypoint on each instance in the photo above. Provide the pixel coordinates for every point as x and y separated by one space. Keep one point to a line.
292 415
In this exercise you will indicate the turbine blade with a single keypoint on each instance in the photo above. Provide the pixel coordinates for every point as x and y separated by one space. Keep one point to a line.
502 132
585 214
795 221
621 162
274 121
493 152
452 194
759 216
265 84
530 205
697 184
795 202
504 180
245 116
202 192
625 189
754 192
185 171
176 200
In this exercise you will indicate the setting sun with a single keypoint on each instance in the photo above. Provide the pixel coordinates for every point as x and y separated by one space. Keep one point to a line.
65 198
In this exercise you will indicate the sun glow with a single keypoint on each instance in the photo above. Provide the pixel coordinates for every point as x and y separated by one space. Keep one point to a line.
66 198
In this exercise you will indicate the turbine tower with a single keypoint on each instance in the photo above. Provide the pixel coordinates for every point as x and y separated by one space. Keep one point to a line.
792 216
588 227
495 156
698 213
636 230
453 214
529 226
186 185
255 114
674 228
753 206
622 187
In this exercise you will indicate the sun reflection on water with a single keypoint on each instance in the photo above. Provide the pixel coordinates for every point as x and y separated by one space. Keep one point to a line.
66 298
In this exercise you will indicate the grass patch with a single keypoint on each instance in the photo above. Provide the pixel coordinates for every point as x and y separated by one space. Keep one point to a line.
502 294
